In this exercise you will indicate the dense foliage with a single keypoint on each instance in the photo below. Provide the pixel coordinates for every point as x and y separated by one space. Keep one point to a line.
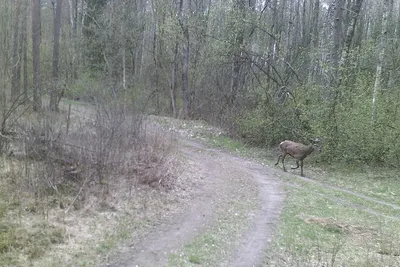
264 70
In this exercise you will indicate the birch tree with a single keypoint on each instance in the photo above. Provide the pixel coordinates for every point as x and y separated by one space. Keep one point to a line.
379 65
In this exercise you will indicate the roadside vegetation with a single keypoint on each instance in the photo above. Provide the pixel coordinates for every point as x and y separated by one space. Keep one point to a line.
341 214
76 183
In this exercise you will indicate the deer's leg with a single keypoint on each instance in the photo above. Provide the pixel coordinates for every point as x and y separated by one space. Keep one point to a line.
301 165
283 162
297 162
278 159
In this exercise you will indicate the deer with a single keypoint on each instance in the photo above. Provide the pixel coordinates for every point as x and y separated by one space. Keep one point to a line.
296 150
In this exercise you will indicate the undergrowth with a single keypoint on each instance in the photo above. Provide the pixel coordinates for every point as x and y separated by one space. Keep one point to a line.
54 174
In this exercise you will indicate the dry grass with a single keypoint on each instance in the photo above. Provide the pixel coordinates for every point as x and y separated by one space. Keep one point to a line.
68 198
333 225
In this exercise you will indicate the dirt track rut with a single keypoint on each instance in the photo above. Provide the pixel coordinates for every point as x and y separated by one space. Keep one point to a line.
216 168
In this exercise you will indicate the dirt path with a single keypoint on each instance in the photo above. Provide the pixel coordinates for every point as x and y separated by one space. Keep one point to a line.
218 169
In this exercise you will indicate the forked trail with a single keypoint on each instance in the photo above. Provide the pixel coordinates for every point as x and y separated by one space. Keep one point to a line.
218 170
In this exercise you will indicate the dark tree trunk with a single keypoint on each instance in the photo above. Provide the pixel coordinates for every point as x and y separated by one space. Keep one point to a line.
185 60
37 97
73 6
314 62
337 21
237 62
54 93
173 80
16 55
355 11
24 47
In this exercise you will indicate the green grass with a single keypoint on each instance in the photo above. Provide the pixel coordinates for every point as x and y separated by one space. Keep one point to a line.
31 242
322 226
316 230
382 183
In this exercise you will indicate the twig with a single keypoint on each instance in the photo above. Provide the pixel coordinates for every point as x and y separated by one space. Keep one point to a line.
5 137
77 195
68 117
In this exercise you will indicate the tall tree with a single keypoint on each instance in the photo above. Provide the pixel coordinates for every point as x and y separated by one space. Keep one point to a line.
24 47
54 94
337 22
73 14
239 13
37 94
381 53
173 81
6 11
355 11
16 56
184 24
314 42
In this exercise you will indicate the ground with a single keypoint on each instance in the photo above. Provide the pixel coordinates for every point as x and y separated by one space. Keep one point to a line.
224 179
219 210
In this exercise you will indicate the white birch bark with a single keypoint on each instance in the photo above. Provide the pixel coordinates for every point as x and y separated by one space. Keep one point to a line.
381 53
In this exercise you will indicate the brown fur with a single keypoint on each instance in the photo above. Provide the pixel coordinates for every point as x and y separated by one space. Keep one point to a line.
295 150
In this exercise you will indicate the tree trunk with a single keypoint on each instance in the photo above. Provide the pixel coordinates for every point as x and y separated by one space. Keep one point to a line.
355 11
237 63
185 74
37 97
73 13
54 94
5 18
381 53
24 47
123 56
314 62
336 20
172 87
16 56
185 61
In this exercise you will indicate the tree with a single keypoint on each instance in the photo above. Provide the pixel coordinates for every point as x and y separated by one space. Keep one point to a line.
16 56
381 53
314 62
240 13
54 94
183 22
355 11
37 94
337 22
73 13
24 47
6 27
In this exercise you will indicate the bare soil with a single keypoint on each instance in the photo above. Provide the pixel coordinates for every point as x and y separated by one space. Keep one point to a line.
217 173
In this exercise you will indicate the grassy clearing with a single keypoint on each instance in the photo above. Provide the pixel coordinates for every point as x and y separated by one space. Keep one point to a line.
378 182
321 226
345 198
316 231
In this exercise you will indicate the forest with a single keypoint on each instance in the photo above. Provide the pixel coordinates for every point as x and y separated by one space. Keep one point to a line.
111 112
263 70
